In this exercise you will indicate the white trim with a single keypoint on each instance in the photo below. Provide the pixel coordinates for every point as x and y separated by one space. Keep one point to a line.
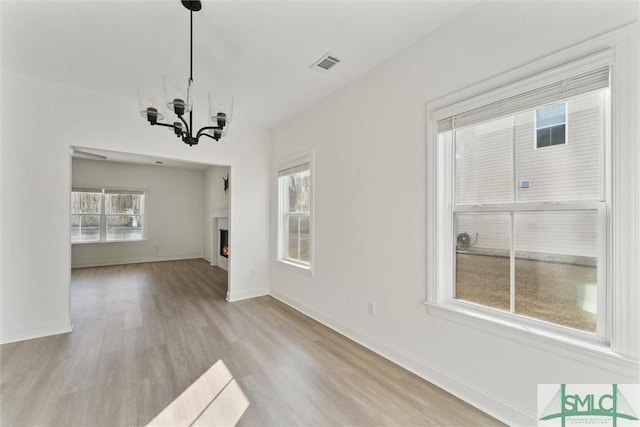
292 266
625 246
109 242
252 293
521 80
598 356
115 261
61 327
619 47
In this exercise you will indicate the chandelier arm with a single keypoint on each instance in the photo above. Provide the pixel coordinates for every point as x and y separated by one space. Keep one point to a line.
187 130
164 124
207 135
202 131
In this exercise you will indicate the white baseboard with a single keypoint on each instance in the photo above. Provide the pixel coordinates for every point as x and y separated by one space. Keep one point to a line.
123 261
237 296
471 393
62 327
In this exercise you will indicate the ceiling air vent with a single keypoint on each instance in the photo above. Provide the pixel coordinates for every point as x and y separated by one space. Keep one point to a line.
325 63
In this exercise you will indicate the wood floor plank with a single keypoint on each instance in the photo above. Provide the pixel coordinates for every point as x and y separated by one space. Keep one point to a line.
144 333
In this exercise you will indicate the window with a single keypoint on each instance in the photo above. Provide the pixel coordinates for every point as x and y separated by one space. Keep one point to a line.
295 219
85 215
557 233
551 125
100 215
522 232
532 250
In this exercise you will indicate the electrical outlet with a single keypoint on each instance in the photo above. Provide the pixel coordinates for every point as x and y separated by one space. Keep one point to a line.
371 309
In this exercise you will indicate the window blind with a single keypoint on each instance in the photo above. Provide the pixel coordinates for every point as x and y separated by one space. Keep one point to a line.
301 167
132 192
86 190
576 85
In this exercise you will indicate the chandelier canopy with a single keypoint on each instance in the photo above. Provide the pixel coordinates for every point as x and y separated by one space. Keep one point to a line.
178 97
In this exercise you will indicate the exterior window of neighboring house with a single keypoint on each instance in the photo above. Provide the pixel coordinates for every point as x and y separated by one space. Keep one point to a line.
101 215
295 237
536 244
551 125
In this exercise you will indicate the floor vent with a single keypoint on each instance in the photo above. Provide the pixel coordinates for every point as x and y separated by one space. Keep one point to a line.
325 63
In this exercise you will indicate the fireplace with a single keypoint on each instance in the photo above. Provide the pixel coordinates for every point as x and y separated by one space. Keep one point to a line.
224 243
220 238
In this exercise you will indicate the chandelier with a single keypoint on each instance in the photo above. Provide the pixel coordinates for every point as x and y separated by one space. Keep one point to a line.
178 97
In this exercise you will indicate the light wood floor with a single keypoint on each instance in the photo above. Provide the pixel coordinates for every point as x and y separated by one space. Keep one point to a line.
145 332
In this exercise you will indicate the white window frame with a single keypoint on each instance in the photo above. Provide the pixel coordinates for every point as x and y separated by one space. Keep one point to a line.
282 223
103 215
619 351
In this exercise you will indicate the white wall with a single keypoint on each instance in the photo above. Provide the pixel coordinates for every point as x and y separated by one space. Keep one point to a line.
370 185
40 121
215 198
174 212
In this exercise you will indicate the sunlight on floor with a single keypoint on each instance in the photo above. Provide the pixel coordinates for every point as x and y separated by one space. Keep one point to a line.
214 399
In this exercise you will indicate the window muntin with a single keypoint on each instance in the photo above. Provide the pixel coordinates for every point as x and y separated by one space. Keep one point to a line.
107 215
294 224
532 250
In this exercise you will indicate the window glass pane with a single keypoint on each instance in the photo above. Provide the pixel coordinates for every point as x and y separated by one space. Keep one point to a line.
568 172
123 204
484 159
298 186
556 267
299 238
543 138
551 116
294 199
85 228
482 259
558 135
83 202
124 227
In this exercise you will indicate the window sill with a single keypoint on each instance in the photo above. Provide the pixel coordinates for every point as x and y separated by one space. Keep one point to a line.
303 269
110 242
594 353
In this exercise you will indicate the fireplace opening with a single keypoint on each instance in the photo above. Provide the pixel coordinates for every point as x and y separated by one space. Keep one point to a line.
224 243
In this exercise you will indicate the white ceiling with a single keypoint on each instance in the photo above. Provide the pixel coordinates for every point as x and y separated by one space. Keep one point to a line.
260 51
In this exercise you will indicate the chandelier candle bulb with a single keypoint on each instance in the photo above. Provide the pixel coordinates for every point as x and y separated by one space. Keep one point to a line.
150 103
177 92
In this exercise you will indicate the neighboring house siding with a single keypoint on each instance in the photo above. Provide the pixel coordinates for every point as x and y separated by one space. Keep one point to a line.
483 163
559 173
563 172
